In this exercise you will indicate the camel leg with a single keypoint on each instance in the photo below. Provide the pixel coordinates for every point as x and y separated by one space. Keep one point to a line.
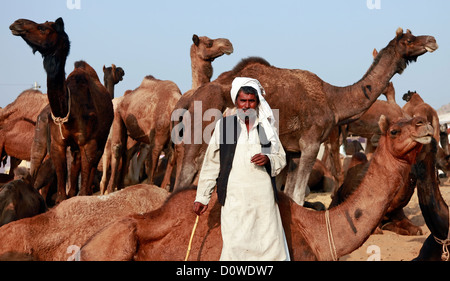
39 147
106 162
58 155
89 158
75 167
118 144
171 156
297 180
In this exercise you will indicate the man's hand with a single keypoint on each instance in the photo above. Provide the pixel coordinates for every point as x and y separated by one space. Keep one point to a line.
199 208
260 159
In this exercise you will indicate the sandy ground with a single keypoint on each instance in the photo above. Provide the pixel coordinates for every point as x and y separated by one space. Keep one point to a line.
390 246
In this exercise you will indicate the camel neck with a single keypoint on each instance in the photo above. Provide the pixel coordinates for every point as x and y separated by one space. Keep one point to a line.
56 84
352 101
109 84
434 209
353 221
201 72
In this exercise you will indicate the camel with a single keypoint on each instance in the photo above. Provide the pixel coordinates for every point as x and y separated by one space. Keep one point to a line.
111 76
164 233
18 198
17 121
144 115
309 108
203 52
50 236
81 107
415 106
366 126
434 208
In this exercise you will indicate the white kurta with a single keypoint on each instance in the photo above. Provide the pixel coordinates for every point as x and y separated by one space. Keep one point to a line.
250 220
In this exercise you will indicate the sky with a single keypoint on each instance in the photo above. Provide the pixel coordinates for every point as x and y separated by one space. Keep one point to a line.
331 38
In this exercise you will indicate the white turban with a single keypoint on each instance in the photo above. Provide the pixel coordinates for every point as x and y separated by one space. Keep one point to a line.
265 113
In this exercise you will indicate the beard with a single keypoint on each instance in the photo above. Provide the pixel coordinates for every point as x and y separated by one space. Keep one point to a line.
249 114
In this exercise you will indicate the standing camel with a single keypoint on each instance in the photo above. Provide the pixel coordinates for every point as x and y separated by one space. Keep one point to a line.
143 115
111 76
203 52
309 108
80 105
164 233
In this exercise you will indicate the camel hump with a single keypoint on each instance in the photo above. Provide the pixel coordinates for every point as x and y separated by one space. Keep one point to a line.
87 68
247 61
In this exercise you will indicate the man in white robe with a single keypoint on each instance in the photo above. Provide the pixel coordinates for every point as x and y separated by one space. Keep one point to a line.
250 219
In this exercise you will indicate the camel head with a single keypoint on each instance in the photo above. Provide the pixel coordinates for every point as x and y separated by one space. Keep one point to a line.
407 97
113 74
209 49
410 47
46 38
404 138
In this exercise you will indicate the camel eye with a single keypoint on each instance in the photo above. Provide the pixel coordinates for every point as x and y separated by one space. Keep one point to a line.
394 132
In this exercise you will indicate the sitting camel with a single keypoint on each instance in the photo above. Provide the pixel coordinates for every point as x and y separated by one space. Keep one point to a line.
51 235
80 106
164 233
434 208
18 198
17 121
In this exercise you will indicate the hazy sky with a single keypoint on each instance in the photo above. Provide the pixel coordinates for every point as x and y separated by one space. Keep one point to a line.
333 39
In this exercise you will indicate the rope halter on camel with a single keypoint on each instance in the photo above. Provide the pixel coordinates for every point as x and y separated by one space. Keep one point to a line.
445 243
330 236
61 120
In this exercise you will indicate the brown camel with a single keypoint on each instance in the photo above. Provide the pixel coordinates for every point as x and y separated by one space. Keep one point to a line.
111 76
434 208
366 126
164 233
17 121
309 108
203 52
80 105
415 106
53 235
143 115
18 198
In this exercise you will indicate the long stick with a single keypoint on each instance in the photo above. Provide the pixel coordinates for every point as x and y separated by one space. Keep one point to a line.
190 240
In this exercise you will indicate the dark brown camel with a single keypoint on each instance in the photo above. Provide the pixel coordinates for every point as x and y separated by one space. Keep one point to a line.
309 108
57 234
111 76
434 208
164 233
18 198
80 105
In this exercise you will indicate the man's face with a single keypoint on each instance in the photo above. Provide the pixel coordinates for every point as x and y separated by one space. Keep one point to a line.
245 102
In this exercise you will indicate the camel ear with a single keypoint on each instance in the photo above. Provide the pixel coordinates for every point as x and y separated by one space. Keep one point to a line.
383 123
375 53
195 39
59 23
104 68
399 32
